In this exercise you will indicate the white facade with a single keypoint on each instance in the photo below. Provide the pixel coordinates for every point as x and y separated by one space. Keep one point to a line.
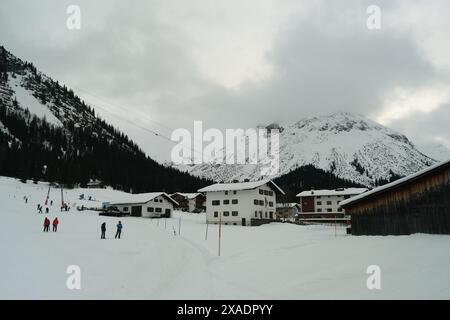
152 206
236 205
328 201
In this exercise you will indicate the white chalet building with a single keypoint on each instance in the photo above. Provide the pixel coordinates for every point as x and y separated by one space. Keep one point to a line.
244 203
149 205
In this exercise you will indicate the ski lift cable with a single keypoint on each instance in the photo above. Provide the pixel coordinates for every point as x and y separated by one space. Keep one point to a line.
157 134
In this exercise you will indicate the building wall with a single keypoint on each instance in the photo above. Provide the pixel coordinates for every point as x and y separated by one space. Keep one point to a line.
422 205
159 202
403 193
329 204
307 204
322 204
245 207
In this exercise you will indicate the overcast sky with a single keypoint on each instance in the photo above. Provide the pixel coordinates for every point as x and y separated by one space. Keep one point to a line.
163 64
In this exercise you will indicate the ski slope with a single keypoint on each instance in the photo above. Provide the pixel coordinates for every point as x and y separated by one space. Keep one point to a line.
276 261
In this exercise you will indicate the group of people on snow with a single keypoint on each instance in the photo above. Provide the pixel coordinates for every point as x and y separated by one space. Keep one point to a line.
119 227
47 224
65 207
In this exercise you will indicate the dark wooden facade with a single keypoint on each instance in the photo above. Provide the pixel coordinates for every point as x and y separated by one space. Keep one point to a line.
308 204
420 204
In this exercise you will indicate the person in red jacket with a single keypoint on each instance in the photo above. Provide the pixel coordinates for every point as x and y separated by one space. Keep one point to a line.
46 224
55 224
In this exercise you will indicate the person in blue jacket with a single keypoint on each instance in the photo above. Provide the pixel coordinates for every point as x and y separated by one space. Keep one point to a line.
119 230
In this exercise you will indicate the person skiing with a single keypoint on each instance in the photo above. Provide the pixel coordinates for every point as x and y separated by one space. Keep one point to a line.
103 230
51 202
46 209
46 224
39 208
119 230
55 224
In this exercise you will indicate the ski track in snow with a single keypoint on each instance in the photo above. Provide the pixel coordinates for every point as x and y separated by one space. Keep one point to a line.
276 261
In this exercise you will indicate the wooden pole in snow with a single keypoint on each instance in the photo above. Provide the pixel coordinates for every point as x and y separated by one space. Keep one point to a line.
165 223
62 198
179 225
206 235
220 229
335 226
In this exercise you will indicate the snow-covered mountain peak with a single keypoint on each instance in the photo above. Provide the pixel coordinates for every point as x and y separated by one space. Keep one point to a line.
348 145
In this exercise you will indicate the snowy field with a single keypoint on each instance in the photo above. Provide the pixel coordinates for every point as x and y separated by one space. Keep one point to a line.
276 261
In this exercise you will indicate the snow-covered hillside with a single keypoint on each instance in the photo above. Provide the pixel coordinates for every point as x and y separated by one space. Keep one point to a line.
351 146
276 261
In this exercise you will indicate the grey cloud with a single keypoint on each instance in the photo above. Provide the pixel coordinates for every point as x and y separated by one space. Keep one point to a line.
134 55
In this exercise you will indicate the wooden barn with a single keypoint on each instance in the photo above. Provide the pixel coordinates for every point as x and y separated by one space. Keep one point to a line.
419 203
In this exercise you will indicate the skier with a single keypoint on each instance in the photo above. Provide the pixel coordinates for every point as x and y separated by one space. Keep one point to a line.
39 208
46 224
119 230
55 224
103 230
46 210
51 202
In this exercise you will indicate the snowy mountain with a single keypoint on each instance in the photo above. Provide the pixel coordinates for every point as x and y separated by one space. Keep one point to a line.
350 146
43 123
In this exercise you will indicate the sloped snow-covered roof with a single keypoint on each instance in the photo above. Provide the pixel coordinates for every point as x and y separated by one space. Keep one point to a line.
187 195
394 184
240 186
140 198
336 192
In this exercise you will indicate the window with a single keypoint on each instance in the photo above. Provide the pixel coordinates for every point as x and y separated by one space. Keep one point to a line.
319 210
260 214
319 203
340 210
266 193
261 203
318 197
125 209
329 210
270 203
265 214
255 202
167 212
161 200
256 214
271 214
261 191
270 193
158 209
150 209
226 213
234 213
216 202
234 192
226 201
234 201
226 193
328 203
216 214
234 224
